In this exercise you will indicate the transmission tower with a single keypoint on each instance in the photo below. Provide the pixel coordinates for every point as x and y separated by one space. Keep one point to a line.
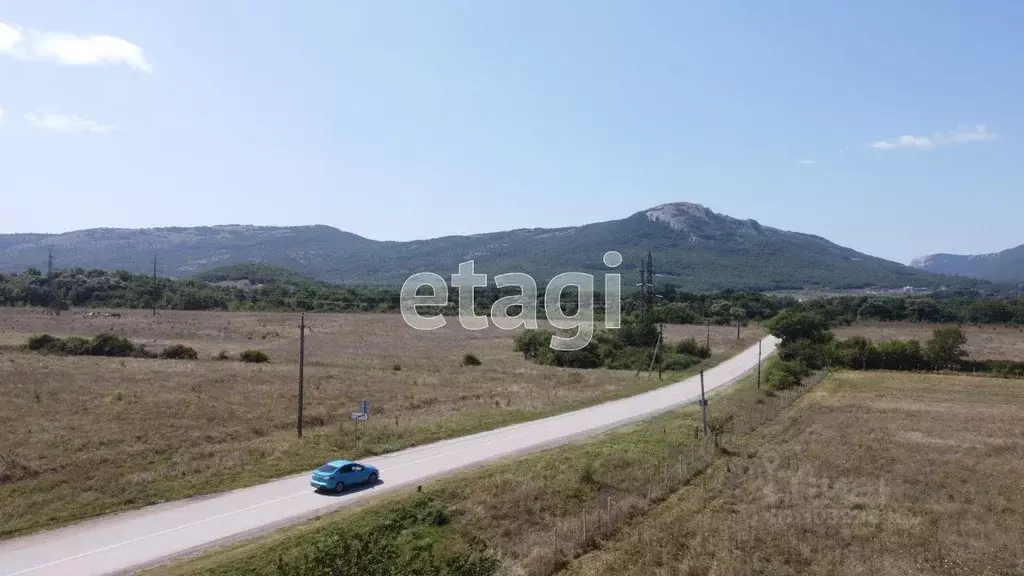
646 285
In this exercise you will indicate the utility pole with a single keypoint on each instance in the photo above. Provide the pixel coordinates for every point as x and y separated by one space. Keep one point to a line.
302 362
155 289
758 364
703 405
707 343
657 348
661 336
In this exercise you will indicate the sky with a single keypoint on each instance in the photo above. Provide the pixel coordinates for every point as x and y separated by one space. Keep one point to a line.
892 127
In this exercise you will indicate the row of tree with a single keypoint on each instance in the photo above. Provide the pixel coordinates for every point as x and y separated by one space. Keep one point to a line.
264 288
807 344
259 287
939 307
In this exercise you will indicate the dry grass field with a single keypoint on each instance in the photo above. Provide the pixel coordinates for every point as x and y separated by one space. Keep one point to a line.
139 431
868 474
537 512
984 342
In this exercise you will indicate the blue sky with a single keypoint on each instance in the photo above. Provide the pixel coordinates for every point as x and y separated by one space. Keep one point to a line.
891 127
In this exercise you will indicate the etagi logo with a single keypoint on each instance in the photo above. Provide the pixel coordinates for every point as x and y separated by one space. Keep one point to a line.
467 281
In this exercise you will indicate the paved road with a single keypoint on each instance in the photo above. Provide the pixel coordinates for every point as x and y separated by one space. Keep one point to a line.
125 542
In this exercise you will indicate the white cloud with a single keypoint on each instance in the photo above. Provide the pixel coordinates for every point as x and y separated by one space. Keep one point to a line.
69 48
806 162
962 134
2 113
62 123
10 38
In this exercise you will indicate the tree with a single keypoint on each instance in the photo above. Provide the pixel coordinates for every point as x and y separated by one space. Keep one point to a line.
720 310
946 347
792 325
923 311
738 315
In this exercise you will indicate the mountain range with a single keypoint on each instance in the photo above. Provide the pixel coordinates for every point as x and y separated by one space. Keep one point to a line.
692 246
1005 266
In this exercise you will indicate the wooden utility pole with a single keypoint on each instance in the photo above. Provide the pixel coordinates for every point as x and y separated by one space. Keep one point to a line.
654 358
703 405
758 364
708 342
302 362
661 336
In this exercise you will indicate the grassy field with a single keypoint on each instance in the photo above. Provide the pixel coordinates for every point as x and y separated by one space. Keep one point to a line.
984 342
867 473
140 431
572 499
871 473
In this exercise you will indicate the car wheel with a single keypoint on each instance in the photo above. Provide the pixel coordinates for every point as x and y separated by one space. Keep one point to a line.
339 487
373 478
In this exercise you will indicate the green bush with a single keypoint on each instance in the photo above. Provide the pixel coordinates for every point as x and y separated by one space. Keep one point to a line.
42 342
531 341
588 357
76 346
690 347
112 345
179 352
679 362
253 357
628 358
470 360
806 352
782 375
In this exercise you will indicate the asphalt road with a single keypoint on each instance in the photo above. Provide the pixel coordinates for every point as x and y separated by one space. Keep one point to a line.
128 542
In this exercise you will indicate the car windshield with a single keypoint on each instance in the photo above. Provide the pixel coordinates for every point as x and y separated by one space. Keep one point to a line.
327 469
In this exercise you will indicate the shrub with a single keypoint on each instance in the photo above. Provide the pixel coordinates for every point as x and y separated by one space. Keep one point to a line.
179 352
396 367
678 362
628 358
253 357
806 352
531 341
691 347
76 346
42 342
223 355
588 357
470 360
782 375
111 345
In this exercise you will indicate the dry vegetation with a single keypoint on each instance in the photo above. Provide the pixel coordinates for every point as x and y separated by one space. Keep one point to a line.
984 342
540 511
872 473
869 474
138 431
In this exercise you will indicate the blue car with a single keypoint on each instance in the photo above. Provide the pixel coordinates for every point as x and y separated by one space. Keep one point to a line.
338 475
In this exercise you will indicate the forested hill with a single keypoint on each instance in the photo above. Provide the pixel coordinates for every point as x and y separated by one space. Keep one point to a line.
693 247
1005 266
